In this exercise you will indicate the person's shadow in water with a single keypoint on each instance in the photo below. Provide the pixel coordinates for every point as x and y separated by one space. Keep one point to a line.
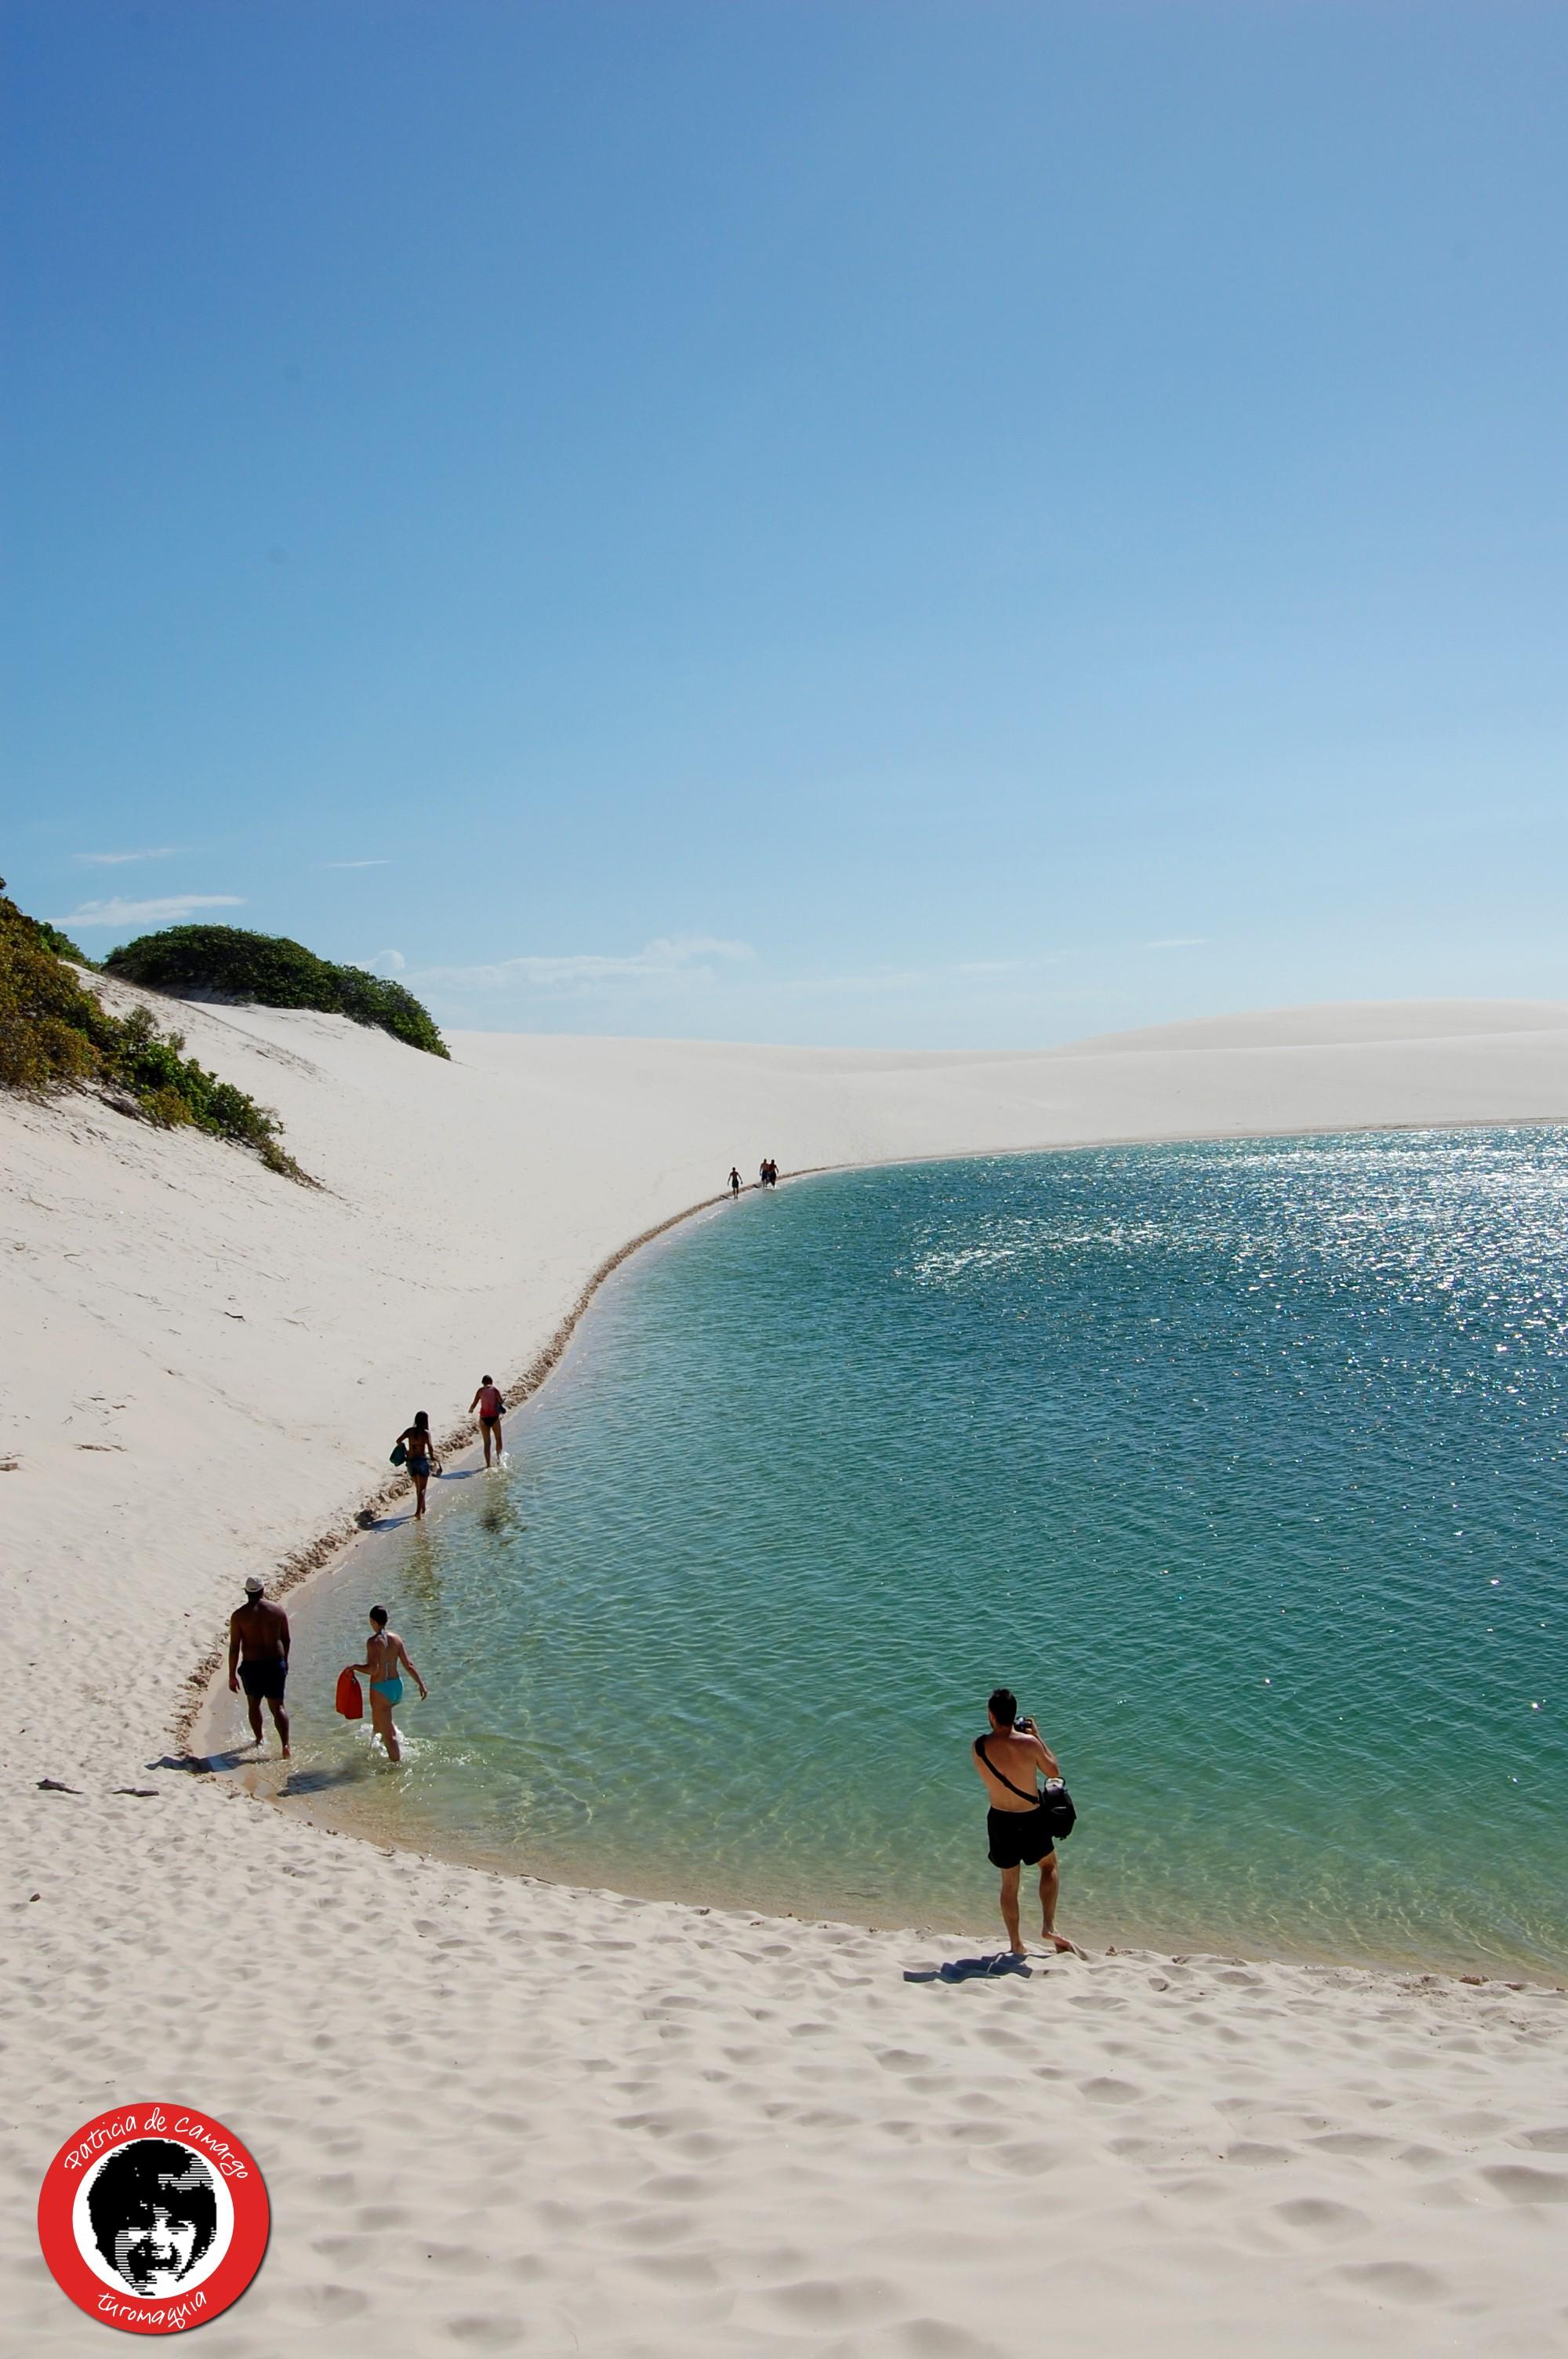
970 1970
321 1781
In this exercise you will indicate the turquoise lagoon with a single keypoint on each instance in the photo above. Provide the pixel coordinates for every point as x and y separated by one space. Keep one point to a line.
1243 1462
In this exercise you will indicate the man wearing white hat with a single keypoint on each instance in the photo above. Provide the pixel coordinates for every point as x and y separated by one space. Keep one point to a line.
258 1660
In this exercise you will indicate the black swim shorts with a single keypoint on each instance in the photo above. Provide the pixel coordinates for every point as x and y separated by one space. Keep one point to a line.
1018 1838
259 1679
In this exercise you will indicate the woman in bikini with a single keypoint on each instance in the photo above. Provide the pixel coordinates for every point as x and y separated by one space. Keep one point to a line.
490 1405
386 1657
415 1439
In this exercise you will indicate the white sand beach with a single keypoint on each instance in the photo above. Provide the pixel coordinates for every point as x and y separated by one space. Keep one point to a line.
495 2114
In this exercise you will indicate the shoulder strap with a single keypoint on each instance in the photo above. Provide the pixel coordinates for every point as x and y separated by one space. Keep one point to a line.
996 1773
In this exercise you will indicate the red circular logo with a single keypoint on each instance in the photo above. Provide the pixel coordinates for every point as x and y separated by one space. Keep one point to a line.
153 2218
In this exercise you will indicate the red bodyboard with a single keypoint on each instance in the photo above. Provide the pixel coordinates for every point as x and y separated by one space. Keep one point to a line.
350 1701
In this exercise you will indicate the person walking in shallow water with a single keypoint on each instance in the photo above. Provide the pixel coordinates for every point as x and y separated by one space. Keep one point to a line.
734 1180
258 1660
421 1456
1019 1833
489 1403
387 1659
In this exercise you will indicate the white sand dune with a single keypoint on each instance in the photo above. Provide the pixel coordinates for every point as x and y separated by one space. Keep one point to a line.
496 2115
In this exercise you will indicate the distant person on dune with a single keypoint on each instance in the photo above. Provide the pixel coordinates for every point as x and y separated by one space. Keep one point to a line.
258 1660
1007 1759
386 1657
489 1403
734 1180
415 1439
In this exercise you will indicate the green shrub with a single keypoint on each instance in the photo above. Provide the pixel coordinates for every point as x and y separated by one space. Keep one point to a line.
55 1033
62 944
270 970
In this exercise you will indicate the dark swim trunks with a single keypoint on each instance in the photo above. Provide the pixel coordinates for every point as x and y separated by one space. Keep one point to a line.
259 1679
1018 1838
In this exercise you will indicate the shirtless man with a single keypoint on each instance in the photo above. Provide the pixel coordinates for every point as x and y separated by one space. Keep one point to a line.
1006 1759
385 1658
489 1403
734 1181
258 1660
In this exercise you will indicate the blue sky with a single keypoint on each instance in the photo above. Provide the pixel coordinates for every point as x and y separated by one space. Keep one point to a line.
877 522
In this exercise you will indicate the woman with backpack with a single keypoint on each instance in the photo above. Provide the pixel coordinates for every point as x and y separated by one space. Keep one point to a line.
415 1449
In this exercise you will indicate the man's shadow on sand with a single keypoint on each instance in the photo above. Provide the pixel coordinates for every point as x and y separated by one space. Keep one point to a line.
246 1757
1000 1964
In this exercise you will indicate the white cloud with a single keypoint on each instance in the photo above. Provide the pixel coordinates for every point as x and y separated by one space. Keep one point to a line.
682 958
1179 942
388 961
167 912
118 859
356 863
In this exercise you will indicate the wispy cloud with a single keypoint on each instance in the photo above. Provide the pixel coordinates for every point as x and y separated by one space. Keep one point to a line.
1179 942
120 859
679 957
167 912
355 863
383 962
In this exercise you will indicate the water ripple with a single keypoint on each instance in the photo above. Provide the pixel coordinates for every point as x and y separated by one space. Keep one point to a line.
1244 1463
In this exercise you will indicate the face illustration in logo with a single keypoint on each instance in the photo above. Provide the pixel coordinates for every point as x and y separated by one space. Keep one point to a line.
153 2210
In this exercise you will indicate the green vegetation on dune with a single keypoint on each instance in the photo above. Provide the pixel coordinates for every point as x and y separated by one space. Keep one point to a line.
56 1034
270 970
62 944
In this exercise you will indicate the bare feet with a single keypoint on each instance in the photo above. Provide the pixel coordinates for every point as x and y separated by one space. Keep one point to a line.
1060 1943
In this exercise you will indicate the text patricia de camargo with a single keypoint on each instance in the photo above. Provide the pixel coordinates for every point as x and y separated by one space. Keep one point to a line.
155 2122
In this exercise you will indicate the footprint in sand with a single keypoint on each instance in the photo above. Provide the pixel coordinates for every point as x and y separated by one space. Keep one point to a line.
486 2334
1318 2217
1392 2280
1105 2090
820 2302
1522 2183
939 2338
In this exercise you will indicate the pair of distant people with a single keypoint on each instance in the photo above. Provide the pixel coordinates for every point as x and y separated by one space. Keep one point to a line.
417 1443
259 1642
